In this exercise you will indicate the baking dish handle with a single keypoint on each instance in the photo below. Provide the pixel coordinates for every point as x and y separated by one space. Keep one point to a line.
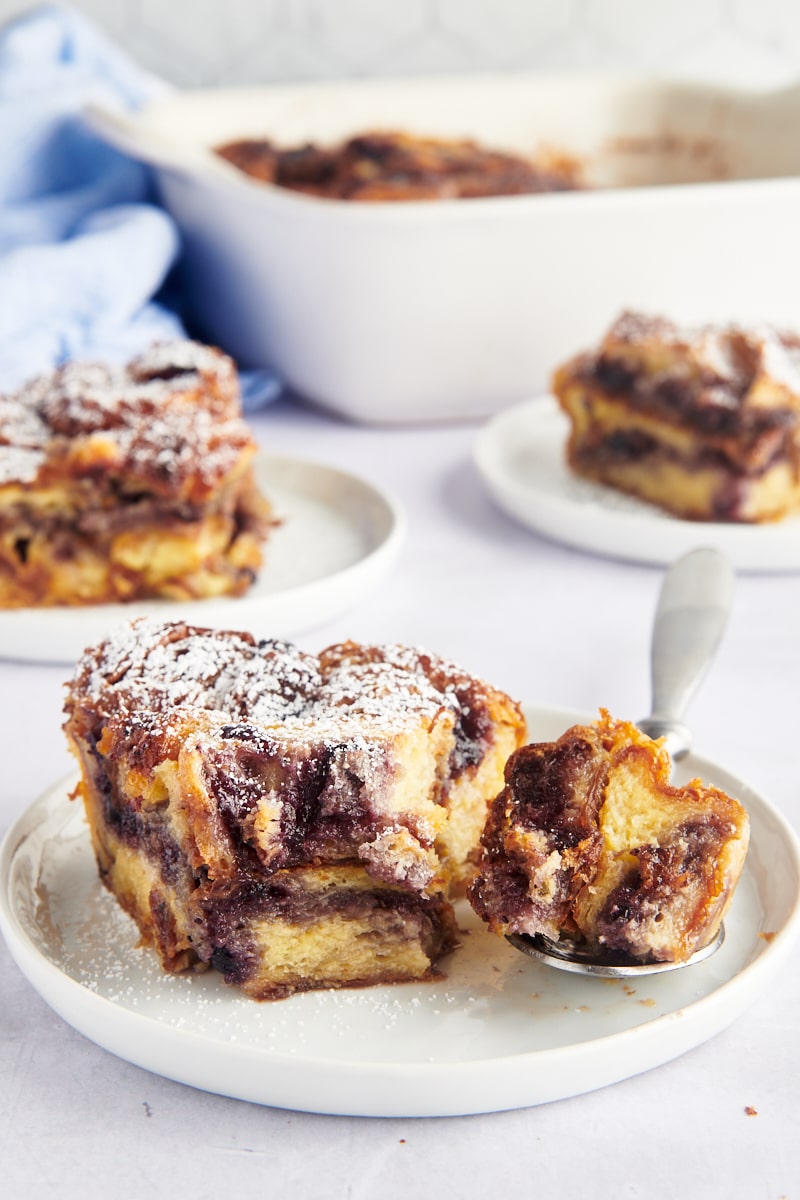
127 135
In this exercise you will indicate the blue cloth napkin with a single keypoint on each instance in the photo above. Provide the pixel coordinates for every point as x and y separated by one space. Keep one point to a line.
85 250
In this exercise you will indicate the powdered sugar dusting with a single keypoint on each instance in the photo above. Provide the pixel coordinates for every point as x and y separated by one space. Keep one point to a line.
22 436
19 464
780 359
191 357
149 667
728 361
170 418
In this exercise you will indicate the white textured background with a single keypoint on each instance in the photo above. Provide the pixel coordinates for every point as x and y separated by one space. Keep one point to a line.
201 42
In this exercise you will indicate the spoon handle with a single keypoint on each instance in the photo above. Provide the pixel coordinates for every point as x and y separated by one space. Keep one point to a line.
691 615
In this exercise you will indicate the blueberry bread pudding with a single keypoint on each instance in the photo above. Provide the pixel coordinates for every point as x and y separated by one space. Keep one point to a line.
703 422
295 821
121 483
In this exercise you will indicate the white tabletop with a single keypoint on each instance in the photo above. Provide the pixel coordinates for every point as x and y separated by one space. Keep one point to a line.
551 626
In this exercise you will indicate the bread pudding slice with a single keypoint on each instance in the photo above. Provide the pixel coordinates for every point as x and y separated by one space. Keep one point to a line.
704 422
295 821
124 483
589 841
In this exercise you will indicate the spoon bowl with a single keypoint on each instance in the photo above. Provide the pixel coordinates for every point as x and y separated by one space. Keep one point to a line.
568 955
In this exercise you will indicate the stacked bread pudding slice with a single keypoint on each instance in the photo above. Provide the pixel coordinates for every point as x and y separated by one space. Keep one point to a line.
703 422
120 483
295 821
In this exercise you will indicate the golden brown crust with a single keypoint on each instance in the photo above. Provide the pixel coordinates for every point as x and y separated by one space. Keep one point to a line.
589 840
390 165
118 483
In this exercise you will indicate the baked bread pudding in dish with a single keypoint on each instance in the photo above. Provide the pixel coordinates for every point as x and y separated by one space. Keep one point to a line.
704 423
294 821
588 841
127 482
393 165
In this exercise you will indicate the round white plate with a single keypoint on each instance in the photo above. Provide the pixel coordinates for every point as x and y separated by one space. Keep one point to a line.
339 535
520 455
500 1031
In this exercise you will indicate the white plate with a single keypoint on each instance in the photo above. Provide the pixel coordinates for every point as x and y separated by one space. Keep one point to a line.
500 1031
521 456
339 536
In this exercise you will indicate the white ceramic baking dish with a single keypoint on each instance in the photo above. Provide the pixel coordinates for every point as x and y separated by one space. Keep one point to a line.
446 310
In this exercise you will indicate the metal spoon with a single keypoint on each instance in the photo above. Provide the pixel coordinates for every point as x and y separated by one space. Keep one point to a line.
691 615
